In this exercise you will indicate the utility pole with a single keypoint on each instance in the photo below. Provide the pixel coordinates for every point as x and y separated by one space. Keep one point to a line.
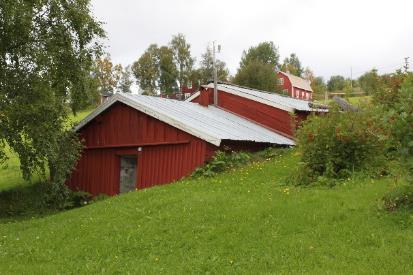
351 80
215 75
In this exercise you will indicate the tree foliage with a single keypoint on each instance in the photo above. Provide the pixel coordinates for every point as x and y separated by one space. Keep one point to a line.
206 68
292 65
336 83
371 82
318 85
146 70
47 51
257 75
125 81
163 68
401 120
182 57
108 75
258 68
264 52
168 72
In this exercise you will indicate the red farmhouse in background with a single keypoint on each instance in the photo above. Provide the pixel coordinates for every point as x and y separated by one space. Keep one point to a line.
295 86
134 141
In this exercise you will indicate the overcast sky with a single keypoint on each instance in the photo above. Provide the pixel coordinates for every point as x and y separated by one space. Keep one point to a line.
330 37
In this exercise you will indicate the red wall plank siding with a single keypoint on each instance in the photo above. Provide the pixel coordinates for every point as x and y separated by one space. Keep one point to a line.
167 153
276 119
286 84
271 117
294 92
121 124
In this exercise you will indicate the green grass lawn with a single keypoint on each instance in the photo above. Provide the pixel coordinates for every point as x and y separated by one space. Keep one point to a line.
243 221
355 100
10 175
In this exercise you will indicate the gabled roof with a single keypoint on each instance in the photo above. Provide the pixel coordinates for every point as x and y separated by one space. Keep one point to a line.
208 123
285 103
298 82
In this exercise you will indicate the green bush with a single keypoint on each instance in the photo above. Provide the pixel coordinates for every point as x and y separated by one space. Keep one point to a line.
334 145
222 161
81 198
400 119
400 197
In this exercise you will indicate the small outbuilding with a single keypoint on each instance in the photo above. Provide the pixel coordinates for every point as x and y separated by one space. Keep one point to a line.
134 141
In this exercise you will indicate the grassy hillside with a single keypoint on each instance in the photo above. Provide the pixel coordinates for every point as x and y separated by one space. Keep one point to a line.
243 221
10 175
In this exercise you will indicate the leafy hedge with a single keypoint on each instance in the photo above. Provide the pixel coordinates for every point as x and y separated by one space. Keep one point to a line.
220 162
336 144
399 197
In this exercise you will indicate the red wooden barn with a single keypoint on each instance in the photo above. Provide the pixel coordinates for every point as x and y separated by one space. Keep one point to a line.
295 86
133 141
281 114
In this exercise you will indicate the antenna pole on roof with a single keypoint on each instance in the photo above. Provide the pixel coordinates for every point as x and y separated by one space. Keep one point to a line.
215 75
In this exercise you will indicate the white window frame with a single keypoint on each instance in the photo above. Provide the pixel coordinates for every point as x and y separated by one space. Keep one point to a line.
281 81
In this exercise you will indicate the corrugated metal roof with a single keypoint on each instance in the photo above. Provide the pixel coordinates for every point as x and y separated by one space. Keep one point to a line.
208 123
299 82
282 102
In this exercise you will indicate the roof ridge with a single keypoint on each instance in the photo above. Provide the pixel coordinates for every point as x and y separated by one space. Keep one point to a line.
248 88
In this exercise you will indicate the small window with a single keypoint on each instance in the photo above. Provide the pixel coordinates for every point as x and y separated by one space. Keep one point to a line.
281 81
189 85
285 92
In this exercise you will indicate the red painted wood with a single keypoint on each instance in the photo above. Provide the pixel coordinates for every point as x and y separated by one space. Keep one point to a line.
263 114
177 155
276 119
294 91
286 84
136 144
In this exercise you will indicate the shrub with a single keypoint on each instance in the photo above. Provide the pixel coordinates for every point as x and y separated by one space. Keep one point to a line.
222 161
401 120
336 144
81 198
61 163
400 197
269 153
400 117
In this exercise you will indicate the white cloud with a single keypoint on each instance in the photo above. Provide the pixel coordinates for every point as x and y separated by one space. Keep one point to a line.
328 36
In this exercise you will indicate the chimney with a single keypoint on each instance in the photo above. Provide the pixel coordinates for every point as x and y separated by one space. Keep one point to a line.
206 97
